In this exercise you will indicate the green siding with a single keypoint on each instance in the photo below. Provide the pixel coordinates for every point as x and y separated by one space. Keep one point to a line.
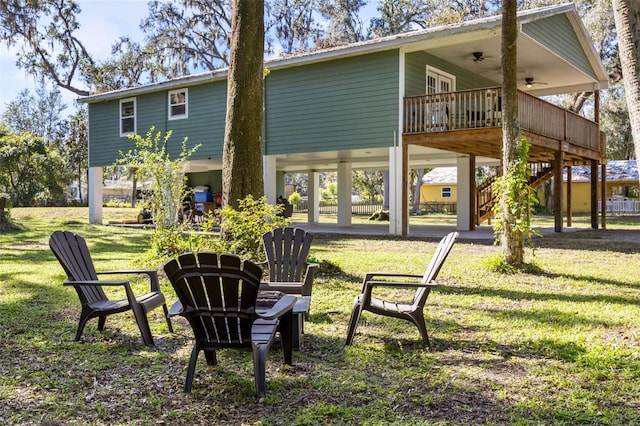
416 74
557 35
204 125
348 103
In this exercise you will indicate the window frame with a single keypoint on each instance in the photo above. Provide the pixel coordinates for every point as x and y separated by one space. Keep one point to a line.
185 114
135 112
446 192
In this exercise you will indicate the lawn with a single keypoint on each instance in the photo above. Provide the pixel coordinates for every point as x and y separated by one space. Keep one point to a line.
559 347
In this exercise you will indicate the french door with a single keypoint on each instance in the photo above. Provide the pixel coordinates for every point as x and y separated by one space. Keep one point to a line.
439 109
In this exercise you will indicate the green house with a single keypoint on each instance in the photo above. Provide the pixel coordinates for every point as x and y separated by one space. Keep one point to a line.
420 99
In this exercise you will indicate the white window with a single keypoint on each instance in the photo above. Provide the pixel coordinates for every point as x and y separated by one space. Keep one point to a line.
127 117
445 192
178 104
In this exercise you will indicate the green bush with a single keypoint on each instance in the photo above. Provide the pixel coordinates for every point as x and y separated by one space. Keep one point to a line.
241 230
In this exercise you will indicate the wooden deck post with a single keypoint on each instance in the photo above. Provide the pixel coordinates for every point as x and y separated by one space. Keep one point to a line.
558 165
594 194
569 205
603 196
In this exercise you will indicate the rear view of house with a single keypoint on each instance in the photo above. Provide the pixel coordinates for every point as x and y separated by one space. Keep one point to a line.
422 99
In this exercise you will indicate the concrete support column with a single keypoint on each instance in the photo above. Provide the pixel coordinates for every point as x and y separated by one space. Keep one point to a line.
95 195
465 193
345 185
313 197
395 191
269 178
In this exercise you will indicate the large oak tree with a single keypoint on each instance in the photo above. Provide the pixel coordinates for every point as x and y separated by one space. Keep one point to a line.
627 17
511 237
242 152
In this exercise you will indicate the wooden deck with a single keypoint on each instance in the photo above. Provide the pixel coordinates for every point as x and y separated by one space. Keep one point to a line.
470 122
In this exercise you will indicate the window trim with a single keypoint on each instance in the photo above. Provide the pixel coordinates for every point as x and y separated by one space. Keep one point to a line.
135 113
170 105
446 192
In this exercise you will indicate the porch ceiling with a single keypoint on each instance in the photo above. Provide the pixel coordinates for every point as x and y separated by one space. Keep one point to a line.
534 61
369 159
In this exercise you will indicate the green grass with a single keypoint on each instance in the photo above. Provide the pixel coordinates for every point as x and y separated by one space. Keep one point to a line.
561 346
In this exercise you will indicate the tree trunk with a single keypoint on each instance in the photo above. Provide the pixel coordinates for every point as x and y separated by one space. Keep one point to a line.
134 186
626 14
242 153
3 203
512 241
416 191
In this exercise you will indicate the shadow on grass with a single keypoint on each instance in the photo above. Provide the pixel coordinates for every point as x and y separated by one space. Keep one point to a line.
545 296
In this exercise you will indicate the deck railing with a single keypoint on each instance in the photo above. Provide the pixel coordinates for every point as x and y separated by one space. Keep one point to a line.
470 109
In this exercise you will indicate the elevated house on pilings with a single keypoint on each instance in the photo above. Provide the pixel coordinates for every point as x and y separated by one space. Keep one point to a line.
415 100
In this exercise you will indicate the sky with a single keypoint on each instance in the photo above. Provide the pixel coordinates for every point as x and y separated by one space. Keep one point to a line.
102 22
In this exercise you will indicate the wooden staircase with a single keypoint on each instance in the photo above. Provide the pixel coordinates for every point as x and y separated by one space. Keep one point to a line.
485 197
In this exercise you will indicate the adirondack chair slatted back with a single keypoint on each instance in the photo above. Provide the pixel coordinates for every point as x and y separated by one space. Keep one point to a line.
73 254
287 250
218 294
437 260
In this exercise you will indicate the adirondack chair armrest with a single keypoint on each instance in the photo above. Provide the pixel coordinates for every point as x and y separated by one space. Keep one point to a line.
283 305
311 269
370 285
97 283
152 273
176 309
309 275
369 275
399 284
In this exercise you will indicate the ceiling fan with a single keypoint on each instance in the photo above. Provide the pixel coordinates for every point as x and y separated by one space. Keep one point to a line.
529 82
478 56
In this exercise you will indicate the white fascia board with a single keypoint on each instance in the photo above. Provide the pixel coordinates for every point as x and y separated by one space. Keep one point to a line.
175 83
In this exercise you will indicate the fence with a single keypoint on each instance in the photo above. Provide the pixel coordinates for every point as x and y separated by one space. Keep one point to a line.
367 209
438 207
620 206
360 208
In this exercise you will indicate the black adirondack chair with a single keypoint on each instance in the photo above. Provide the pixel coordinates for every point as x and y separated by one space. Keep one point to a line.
218 295
412 312
287 250
72 253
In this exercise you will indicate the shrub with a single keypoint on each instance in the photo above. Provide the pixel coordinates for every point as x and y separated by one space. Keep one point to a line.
241 230
295 198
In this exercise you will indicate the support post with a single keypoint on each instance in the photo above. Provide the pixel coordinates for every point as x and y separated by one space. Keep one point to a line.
313 197
405 190
465 200
95 195
594 194
603 195
558 165
345 185
569 205
269 178
395 191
